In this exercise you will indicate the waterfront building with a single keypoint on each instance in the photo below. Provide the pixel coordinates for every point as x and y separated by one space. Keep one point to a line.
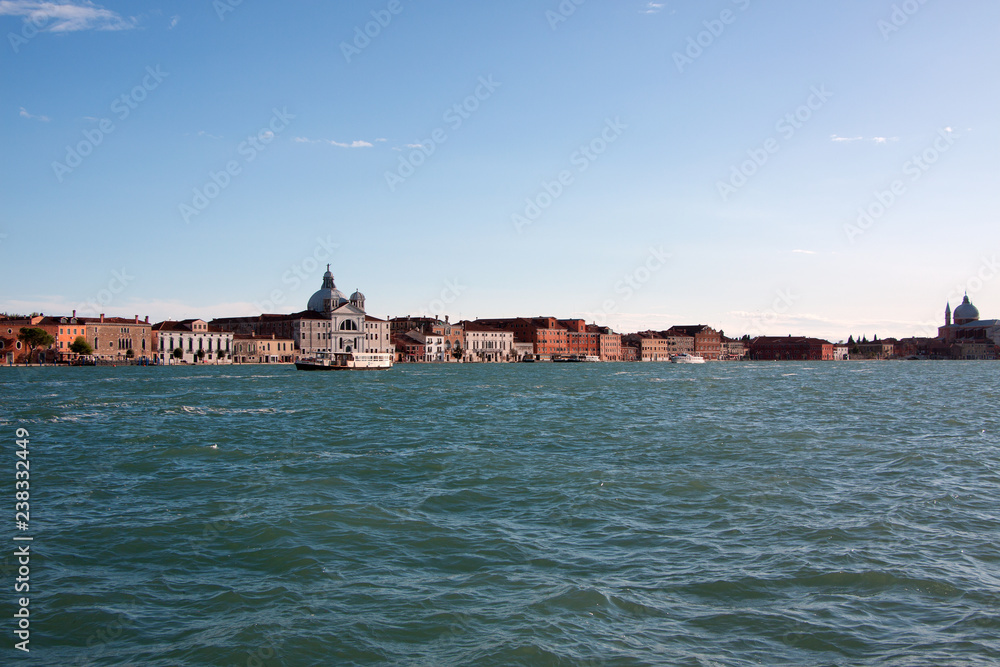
733 349
707 341
409 346
250 349
549 338
649 345
330 323
629 353
378 335
119 338
841 352
16 352
522 350
874 349
451 334
196 340
791 348
609 343
967 329
488 344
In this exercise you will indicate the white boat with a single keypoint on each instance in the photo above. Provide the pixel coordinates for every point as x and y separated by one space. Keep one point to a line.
356 361
685 358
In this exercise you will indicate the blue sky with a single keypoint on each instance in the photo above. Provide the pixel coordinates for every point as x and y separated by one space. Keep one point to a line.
637 163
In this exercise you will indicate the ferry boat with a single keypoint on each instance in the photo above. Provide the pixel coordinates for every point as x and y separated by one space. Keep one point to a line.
685 358
577 358
350 361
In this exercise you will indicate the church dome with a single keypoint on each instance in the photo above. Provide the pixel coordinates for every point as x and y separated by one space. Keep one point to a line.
327 293
357 296
966 312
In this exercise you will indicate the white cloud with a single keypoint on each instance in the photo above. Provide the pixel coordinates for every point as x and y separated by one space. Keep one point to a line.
357 143
174 20
203 133
66 16
653 7
414 145
877 140
24 114
381 139
805 252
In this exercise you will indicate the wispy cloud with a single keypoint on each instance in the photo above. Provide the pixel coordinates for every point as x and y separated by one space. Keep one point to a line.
653 7
174 20
203 133
24 114
805 252
357 143
67 16
876 140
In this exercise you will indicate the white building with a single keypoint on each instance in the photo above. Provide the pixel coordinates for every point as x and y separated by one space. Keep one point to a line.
196 340
378 335
483 343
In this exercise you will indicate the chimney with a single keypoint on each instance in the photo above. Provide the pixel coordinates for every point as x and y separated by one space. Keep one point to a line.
147 319
137 319
446 318
74 312
102 318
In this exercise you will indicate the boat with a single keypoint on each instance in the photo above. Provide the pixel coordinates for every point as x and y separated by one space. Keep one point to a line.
577 358
349 361
685 358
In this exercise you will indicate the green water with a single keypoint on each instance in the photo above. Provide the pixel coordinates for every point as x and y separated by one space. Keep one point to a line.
533 514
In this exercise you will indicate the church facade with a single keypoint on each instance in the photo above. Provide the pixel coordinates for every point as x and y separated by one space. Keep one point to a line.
331 323
968 336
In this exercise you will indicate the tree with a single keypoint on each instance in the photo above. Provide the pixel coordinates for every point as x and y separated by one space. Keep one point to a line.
81 346
129 353
200 355
178 353
458 351
34 337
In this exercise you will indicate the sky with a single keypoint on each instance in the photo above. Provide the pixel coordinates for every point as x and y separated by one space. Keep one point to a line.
806 168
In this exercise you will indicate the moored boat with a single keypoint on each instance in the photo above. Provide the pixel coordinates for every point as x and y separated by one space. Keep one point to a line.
685 358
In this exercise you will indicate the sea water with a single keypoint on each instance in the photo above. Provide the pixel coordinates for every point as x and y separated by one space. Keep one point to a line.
838 513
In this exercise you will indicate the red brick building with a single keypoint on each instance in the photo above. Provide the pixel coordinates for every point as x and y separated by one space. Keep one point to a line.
791 348
707 341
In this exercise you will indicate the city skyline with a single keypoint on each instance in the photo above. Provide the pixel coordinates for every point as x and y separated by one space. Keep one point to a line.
824 171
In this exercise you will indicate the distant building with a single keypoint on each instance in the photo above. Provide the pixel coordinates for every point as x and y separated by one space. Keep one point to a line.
194 339
734 349
707 341
649 346
250 349
487 344
331 323
792 348
968 334
119 338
